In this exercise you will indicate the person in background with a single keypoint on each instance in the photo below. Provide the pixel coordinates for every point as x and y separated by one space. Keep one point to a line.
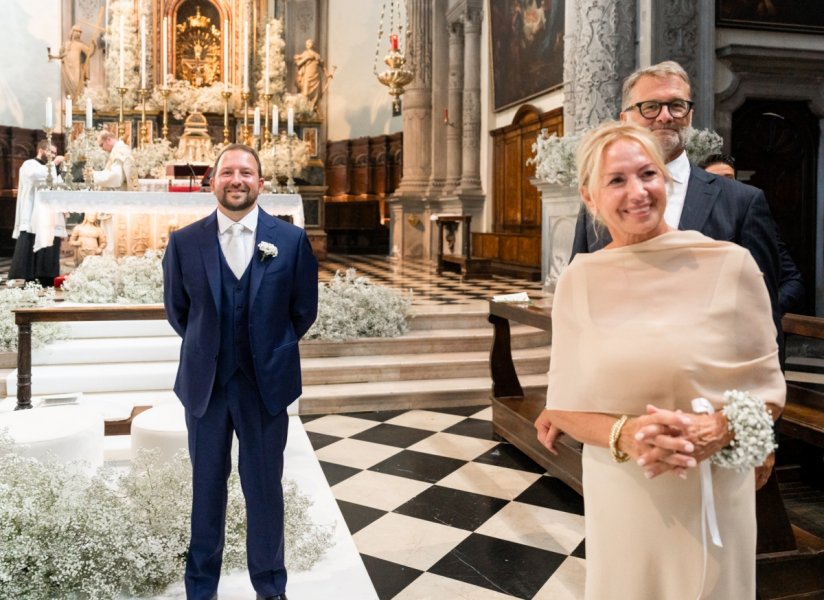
26 264
663 355
119 171
790 282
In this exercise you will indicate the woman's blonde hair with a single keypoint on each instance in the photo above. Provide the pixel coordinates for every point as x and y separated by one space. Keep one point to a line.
593 145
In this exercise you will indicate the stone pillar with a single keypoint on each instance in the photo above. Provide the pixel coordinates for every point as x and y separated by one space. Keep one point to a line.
471 163
683 31
417 102
599 55
440 97
454 128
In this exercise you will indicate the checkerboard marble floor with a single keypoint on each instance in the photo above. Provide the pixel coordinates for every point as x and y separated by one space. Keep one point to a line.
440 509
428 288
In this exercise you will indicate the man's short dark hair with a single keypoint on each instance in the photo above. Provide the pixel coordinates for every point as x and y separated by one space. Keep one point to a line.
43 145
242 148
720 157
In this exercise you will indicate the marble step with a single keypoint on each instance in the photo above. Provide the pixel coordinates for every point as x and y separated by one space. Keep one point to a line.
404 395
103 350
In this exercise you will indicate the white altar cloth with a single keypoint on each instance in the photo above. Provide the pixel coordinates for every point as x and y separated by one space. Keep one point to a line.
48 203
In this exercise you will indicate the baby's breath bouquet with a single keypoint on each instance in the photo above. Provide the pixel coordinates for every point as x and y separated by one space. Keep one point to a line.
106 280
275 158
554 158
29 296
84 149
352 307
185 98
150 160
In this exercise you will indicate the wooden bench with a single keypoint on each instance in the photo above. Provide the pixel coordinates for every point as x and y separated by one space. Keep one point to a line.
24 317
465 264
790 562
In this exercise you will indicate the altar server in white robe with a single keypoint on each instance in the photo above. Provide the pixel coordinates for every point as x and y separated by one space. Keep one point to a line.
27 265
119 171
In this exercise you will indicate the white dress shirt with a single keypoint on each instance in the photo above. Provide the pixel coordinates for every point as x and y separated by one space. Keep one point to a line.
679 170
31 175
249 223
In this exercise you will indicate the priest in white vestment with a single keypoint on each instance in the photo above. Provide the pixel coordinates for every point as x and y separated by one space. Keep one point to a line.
119 171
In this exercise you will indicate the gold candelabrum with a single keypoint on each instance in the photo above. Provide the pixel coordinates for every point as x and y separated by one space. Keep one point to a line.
226 95
267 134
144 126
244 96
290 183
396 77
165 91
121 124
49 159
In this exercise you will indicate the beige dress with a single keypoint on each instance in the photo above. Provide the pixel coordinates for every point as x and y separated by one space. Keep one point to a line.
662 322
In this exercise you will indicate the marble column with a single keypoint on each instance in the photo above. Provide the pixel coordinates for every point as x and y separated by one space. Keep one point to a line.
471 159
454 127
440 98
599 55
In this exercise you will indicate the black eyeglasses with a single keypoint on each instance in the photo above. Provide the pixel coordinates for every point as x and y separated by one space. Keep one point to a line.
650 109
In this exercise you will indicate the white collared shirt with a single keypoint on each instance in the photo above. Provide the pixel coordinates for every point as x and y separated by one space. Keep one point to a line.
249 223
679 170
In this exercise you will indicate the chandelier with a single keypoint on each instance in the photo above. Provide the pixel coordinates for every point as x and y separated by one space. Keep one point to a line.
397 75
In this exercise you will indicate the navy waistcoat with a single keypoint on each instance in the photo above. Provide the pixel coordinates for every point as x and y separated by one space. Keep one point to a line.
235 348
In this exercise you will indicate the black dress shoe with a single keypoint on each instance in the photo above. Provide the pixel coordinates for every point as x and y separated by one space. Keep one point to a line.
278 597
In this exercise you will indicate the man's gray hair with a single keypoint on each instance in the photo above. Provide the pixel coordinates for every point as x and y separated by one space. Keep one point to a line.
668 68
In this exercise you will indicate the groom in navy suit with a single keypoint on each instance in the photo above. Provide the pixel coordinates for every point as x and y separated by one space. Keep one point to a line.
240 287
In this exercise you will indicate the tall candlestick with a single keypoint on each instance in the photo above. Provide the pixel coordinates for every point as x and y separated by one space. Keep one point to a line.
121 56
143 52
165 49
49 113
275 121
266 65
256 125
68 112
246 56
225 54
88 113
290 121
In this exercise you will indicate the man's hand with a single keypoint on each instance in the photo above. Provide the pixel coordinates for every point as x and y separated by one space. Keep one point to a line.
547 432
762 473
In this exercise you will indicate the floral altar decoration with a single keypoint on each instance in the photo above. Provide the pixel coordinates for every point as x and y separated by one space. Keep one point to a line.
107 280
66 535
286 157
150 160
29 296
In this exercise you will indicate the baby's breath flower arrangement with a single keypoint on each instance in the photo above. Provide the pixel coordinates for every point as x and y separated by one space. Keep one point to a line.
67 535
185 98
554 158
277 63
29 296
351 307
299 102
150 160
701 143
84 149
753 428
275 158
106 280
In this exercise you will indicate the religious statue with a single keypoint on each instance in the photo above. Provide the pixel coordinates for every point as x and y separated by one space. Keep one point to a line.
74 56
87 238
310 69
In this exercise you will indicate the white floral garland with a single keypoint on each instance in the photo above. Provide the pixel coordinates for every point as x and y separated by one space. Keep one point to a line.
752 425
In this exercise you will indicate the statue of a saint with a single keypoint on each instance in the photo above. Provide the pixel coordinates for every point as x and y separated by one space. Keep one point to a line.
310 69
75 56
87 238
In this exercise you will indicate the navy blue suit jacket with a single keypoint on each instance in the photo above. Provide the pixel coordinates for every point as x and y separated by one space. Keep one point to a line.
722 209
283 305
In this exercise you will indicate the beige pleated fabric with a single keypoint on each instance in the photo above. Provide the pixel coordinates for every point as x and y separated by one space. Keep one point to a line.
662 322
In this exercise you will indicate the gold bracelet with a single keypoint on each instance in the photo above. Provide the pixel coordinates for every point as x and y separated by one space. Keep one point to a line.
615 433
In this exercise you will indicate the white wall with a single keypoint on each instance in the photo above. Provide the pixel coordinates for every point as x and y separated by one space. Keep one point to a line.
358 105
26 76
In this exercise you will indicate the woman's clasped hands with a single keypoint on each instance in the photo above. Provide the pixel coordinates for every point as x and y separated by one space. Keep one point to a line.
666 440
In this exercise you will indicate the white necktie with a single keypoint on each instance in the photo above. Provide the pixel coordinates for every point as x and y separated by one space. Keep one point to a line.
236 250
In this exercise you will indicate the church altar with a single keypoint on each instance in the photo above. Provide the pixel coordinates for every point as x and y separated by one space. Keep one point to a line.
142 220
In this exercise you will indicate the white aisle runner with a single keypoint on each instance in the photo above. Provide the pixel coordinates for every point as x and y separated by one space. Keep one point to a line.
340 574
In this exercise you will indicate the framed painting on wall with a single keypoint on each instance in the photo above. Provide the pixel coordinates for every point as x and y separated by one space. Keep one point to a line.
783 15
527 49
310 138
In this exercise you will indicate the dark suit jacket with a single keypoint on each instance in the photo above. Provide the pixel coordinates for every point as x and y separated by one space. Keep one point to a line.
721 209
283 305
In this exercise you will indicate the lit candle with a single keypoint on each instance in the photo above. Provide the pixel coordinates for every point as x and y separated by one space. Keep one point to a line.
49 113
256 128
122 58
165 51
393 41
88 113
225 55
143 52
274 120
246 56
266 63
290 121
68 112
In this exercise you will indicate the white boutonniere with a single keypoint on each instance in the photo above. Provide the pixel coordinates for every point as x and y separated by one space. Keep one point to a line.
267 250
